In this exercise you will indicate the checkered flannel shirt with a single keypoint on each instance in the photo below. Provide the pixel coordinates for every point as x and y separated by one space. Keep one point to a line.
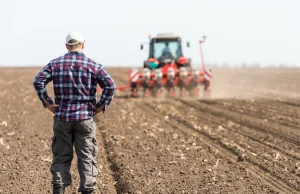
75 78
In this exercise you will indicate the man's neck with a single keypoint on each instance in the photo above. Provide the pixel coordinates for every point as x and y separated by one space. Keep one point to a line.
76 50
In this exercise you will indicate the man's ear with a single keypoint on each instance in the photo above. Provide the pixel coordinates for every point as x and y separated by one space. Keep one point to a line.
67 47
82 45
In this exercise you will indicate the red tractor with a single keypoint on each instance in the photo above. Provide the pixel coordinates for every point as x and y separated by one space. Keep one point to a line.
167 72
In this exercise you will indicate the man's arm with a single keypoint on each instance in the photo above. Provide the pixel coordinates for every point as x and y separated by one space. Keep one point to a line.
109 87
39 83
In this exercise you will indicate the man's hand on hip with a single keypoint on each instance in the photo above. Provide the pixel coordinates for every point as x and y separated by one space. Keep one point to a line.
51 107
98 110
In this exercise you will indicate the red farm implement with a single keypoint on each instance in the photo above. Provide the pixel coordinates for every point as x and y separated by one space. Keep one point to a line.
167 72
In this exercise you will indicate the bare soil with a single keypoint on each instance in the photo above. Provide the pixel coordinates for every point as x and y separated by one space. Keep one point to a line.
245 138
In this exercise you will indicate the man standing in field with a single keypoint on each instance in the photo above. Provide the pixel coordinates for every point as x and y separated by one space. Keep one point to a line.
75 78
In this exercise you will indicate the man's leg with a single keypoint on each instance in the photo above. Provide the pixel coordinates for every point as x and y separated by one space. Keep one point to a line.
62 149
86 149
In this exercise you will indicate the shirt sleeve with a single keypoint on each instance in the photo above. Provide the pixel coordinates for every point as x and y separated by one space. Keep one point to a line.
108 85
40 81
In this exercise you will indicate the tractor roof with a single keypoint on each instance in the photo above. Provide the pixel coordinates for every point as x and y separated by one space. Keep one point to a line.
166 36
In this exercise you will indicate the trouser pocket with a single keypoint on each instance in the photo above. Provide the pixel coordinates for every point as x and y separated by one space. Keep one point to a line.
95 147
95 153
53 145
94 168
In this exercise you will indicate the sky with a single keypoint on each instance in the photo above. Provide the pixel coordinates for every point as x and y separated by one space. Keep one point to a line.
33 32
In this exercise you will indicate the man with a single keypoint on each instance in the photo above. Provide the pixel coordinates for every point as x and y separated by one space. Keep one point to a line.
75 78
166 49
166 53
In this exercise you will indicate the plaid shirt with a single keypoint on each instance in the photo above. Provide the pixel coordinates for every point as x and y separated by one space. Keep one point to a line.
75 78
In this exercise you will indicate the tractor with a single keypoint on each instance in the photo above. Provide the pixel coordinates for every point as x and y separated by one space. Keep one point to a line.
167 69
167 72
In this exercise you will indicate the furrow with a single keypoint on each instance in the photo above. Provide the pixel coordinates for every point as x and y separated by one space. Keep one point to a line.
255 168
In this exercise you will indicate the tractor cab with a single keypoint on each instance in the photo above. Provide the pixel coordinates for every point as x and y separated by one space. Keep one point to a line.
165 49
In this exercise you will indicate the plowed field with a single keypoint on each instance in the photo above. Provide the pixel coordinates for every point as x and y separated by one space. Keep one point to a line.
244 139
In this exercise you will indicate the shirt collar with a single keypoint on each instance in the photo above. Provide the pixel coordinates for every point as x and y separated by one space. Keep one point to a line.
76 52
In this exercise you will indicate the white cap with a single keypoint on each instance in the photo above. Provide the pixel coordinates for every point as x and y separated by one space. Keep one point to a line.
74 35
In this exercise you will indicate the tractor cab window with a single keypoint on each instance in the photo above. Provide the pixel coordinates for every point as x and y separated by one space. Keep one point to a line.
166 50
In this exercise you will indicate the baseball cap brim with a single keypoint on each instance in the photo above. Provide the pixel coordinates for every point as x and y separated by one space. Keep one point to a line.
74 43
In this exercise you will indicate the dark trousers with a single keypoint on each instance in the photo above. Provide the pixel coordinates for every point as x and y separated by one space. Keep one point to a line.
83 135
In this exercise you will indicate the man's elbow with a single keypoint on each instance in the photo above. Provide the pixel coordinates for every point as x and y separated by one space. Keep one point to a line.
36 84
113 86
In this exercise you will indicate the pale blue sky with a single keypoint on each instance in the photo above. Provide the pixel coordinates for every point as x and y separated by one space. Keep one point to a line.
266 31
